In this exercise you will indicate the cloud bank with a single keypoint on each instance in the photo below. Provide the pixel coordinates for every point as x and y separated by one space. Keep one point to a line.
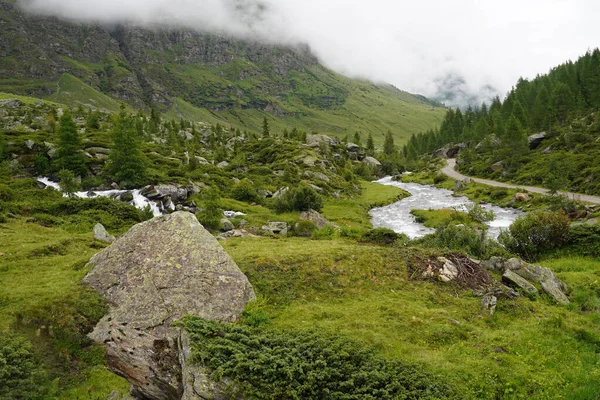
460 52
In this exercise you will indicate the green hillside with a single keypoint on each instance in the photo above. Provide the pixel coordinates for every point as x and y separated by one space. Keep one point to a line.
194 75
560 107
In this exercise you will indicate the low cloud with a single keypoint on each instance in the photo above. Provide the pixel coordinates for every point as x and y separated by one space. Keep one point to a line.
460 52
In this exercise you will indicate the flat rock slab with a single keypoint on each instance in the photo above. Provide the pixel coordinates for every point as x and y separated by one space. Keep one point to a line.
517 280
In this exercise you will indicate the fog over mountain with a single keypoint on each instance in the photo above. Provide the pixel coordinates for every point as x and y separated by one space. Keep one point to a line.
458 52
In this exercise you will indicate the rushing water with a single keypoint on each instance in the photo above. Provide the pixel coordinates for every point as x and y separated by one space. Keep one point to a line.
397 216
139 201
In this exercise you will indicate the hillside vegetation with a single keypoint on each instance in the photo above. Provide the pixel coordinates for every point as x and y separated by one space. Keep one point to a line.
190 75
324 288
545 133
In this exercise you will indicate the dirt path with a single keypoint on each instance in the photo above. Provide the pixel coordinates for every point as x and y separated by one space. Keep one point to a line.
452 173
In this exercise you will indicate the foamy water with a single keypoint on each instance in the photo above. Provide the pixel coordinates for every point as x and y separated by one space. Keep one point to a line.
397 216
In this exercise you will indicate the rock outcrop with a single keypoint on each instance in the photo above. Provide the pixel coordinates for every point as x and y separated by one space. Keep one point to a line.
159 271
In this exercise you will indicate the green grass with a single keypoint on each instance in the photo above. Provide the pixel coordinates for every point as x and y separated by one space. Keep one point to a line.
73 91
24 99
437 218
354 213
363 292
39 268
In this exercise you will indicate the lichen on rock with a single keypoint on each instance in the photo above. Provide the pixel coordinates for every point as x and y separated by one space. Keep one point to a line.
159 271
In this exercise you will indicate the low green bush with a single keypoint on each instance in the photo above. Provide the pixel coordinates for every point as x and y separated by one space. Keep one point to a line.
304 228
536 232
585 240
212 214
303 198
244 190
471 240
381 236
271 365
21 375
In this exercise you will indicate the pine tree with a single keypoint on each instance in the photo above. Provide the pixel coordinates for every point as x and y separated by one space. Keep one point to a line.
370 145
265 128
68 184
540 114
388 145
357 138
562 102
70 156
514 142
127 163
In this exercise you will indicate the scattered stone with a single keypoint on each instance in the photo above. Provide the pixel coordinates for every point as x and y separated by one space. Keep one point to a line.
158 272
548 150
489 302
29 144
318 140
449 271
552 289
126 197
522 197
233 214
223 164
102 235
267 194
499 166
11 103
352 147
494 264
536 140
201 160
513 264
280 192
517 280
449 151
461 185
276 228
317 175
226 225
316 218
372 162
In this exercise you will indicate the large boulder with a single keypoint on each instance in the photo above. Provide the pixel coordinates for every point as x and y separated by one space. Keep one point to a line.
101 234
449 151
158 272
319 139
316 218
536 140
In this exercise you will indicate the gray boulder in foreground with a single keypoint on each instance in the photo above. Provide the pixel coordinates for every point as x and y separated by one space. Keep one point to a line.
159 271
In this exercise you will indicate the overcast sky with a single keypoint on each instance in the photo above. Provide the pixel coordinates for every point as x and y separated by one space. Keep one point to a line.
471 48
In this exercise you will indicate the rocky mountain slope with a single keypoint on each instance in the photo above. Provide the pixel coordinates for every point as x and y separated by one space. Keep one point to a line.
197 76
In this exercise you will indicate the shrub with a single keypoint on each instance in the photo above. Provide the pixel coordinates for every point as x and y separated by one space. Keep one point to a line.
21 376
211 216
480 214
304 228
439 178
381 236
535 233
6 193
271 365
464 238
326 233
244 191
585 240
303 198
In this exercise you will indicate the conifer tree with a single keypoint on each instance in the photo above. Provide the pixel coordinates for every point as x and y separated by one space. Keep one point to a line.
127 163
388 145
357 138
370 145
70 156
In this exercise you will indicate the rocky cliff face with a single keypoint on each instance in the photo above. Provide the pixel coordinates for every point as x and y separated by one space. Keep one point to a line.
158 272
141 66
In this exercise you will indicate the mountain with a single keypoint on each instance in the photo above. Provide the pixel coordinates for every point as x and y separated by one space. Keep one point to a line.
198 76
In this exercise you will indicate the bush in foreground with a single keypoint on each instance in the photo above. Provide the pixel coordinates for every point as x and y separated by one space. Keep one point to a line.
272 365
534 233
